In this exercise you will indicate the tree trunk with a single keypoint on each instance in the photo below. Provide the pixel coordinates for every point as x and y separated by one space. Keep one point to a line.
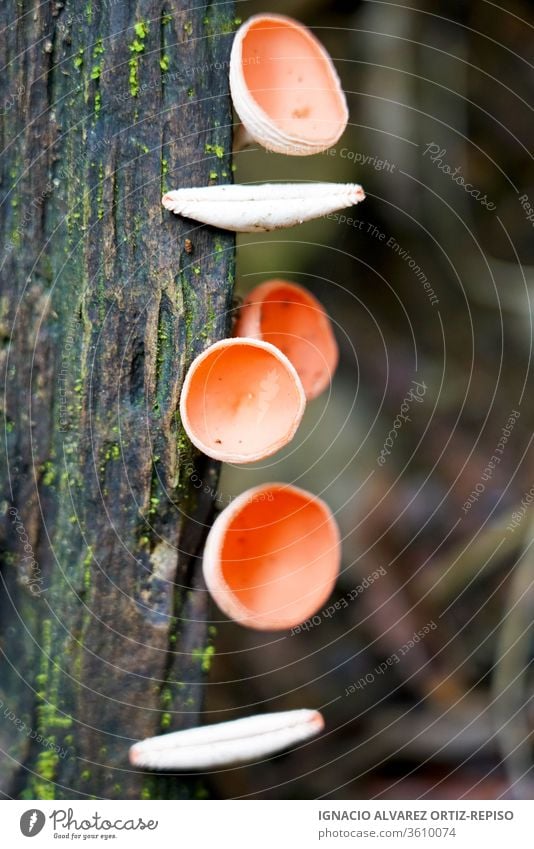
106 298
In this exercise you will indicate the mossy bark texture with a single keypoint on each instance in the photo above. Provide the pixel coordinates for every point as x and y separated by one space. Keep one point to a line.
105 300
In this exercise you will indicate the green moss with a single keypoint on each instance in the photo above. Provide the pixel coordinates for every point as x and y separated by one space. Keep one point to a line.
78 59
164 63
213 175
204 656
216 149
189 311
190 92
183 443
87 563
86 209
219 25
164 172
166 698
137 46
48 718
210 318
39 788
166 18
96 70
49 473
188 28
98 103
47 763
85 775
98 48
228 26
209 327
133 79
147 790
141 29
48 715
100 193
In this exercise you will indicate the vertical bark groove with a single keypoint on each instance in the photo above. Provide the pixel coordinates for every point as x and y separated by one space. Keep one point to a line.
102 308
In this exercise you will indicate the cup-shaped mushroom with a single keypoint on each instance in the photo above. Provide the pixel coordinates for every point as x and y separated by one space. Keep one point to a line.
241 401
272 557
285 88
290 317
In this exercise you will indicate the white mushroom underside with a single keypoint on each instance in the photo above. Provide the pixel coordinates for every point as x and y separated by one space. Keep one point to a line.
259 208
227 742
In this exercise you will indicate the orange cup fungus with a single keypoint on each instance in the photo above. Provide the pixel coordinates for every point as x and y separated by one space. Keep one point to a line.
290 317
285 88
272 557
241 401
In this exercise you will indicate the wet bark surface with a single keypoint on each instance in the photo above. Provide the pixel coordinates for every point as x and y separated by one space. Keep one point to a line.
105 300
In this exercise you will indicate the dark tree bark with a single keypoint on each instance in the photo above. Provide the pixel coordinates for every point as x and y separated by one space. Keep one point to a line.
106 298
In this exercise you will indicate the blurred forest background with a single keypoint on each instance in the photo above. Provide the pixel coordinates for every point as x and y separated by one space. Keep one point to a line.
453 717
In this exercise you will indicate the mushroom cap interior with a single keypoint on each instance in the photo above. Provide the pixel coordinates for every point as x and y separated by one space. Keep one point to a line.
243 400
280 557
296 323
292 80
